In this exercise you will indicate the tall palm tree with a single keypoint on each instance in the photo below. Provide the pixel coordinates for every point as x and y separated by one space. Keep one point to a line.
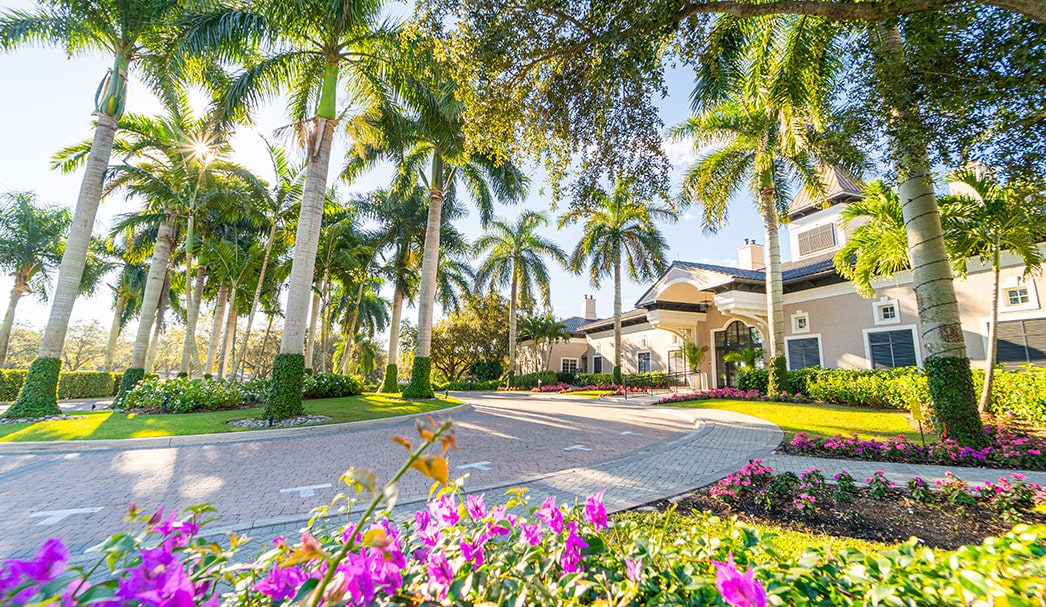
338 44
30 250
427 141
127 297
990 219
516 259
619 229
136 33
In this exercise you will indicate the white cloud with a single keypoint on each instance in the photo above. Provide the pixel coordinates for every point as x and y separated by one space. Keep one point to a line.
688 216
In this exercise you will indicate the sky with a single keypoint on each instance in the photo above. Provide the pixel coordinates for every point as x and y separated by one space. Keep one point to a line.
48 99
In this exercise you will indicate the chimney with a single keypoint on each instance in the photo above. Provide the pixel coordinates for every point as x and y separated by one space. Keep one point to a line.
589 309
750 256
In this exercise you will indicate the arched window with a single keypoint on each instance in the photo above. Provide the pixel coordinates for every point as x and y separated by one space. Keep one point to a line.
736 336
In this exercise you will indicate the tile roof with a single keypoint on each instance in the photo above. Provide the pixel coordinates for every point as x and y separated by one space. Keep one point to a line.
839 186
635 313
573 323
790 270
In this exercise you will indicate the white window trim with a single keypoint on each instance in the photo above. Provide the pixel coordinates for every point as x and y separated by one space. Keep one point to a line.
1013 283
577 363
601 361
795 322
915 342
820 348
883 302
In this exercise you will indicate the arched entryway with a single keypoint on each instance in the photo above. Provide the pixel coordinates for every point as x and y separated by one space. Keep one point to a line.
736 336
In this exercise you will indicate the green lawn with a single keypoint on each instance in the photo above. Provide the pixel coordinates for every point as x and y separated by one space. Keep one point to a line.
826 420
590 393
100 425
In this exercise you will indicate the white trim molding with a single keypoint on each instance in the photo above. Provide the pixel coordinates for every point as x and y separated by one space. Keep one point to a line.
577 363
915 343
820 349
800 318
1014 283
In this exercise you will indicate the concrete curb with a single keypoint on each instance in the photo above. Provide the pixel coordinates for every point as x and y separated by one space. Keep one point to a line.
161 442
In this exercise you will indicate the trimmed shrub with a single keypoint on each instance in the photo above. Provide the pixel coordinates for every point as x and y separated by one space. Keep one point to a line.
329 385
1020 393
594 379
285 390
130 379
183 395
390 383
486 369
39 395
777 376
531 380
566 378
463 384
88 384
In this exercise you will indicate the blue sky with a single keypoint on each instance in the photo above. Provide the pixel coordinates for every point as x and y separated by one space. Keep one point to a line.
47 104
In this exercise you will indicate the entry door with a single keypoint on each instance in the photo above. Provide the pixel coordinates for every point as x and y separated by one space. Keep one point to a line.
736 336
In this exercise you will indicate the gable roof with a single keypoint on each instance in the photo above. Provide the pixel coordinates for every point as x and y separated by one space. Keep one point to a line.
839 186
573 323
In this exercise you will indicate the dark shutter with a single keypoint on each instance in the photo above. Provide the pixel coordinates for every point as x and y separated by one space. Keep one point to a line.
803 353
891 349
597 364
817 239
1022 341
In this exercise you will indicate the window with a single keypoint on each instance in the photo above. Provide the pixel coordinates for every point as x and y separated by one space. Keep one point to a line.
817 239
676 361
568 365
643 362
1017 296
597 364
889 349
804 352
1022 342
886 311
800 322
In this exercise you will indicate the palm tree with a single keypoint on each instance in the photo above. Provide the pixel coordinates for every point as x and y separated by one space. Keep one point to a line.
619 229
136 33
745 357
127 296
338 44
995 218
429 147
515 260
30 250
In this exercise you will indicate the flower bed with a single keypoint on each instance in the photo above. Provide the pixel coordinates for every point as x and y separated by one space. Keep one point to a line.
459 551
730 394
1007 448
945 514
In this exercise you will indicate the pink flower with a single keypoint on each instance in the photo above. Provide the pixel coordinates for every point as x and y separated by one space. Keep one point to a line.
737 589
571 559
596 511
633 568
440 574
474 551
475 507
551 514
444 511
532 533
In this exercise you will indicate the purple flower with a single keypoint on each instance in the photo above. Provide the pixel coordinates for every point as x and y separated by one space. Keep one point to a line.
444 511
633 568
596 511
737 589
474 551
571 559
551 514
474 505
427 532
440 574
281 583
47 563
532 533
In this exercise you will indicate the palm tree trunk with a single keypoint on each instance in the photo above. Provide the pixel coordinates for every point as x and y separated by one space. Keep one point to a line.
989 358
947 365
391 382
190 350
161 311
225 360
261 351
154 286
351 335
257 296
114 332
285 399
512 326
777 376
421 375
9 321
310 348
617 320
39 393
216 327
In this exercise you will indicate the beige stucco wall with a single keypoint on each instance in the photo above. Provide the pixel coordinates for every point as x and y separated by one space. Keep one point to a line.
531 359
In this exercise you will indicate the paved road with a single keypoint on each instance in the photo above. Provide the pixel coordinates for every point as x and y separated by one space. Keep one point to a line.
518 436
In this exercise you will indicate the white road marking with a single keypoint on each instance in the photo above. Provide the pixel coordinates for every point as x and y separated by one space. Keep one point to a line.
631 433
577 448
477 466
55 516
307 490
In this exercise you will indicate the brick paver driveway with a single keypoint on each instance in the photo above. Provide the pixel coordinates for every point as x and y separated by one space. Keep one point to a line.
510 437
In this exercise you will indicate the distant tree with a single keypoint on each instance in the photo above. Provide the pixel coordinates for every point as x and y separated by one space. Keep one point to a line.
84 346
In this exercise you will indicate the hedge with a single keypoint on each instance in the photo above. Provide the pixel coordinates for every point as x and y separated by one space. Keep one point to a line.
531 380
71 384
1020 393
654 379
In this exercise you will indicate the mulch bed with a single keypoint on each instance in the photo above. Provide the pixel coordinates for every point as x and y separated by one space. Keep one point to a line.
890 520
